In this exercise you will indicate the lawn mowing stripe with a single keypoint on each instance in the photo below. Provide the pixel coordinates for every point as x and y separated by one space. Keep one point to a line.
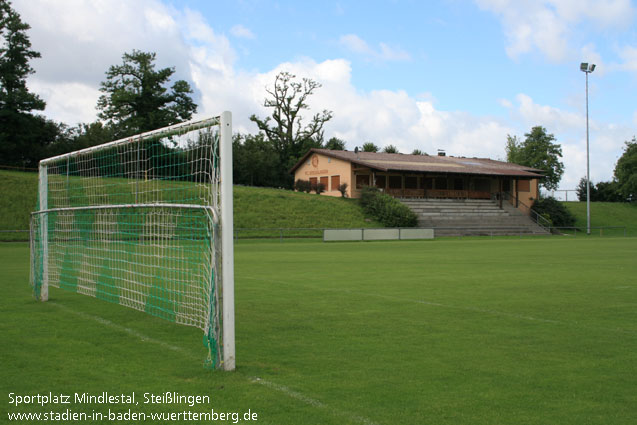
456 307
268 384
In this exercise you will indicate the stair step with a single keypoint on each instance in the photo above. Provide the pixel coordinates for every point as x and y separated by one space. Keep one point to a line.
457 217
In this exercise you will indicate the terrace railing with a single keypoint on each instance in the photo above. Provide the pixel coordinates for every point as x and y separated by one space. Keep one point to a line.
438 193
535 216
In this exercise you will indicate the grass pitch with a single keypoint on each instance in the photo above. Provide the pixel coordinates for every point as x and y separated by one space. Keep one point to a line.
472 331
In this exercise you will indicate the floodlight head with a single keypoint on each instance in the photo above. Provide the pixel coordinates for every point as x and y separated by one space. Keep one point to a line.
584 67
591 68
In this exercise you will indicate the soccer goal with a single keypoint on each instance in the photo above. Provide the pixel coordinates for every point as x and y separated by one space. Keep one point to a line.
145 222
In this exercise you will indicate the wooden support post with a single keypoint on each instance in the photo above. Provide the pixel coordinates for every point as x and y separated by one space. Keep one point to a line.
501 189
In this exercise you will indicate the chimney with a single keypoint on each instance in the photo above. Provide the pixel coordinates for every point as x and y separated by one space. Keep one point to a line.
441 152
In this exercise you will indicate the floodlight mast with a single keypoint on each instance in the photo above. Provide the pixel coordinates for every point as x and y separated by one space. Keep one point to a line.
587 69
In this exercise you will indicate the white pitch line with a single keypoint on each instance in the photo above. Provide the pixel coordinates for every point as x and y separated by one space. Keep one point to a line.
271 385
313 402
121 328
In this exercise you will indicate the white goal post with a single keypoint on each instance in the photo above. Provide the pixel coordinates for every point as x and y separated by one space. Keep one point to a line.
145 222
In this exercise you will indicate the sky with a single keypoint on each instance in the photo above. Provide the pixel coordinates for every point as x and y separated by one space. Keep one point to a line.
456 75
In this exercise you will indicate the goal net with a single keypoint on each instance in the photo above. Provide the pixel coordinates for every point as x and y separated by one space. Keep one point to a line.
145 222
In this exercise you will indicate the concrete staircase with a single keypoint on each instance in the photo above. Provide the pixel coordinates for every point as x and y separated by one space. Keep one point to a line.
464 217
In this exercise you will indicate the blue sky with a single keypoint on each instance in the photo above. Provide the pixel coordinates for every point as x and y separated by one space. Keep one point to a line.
454 75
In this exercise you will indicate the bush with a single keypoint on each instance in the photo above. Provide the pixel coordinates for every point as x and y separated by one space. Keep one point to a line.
343 189
387 210
303 186
318 188
554 211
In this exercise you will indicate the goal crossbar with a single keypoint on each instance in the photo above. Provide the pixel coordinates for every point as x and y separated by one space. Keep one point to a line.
163 132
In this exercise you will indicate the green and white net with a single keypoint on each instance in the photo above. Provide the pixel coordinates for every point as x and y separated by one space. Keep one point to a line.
136 222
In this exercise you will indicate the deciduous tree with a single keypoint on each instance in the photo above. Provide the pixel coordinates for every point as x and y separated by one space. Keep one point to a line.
285 129
335 144
370 147
626 171
538 151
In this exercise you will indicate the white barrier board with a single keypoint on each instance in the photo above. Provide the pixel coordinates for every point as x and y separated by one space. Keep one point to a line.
330 235
416 233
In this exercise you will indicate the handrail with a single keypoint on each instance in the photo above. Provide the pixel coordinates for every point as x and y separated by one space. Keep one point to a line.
535 216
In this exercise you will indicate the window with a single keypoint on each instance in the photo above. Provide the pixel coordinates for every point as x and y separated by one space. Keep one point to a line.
458 184
524 185
441 183
381 181
506 185
325 182
336 182
482 185
395 182
429 183
362 180
411 182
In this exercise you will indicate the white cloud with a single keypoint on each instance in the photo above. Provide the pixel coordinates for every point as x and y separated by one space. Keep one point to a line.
547 25
384 52
240 31
555 119
628 55
71 103
80 40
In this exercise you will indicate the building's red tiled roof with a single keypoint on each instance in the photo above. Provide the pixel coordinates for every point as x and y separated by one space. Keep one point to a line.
428 164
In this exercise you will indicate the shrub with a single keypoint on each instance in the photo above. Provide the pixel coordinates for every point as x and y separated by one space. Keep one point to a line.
554 211
343 189
318 188
389 211
303 186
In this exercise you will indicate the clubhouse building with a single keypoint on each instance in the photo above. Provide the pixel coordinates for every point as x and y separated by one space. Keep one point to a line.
419 176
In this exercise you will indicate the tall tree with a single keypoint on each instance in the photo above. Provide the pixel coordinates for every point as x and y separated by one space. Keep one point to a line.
370 147
390 149
284 129
335 144
626 171
538 151
22 135
513 148
581 191
136 97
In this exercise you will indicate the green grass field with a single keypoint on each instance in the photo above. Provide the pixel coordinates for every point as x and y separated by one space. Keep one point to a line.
471 331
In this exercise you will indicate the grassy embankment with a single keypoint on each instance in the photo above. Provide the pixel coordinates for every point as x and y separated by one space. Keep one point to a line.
262 208
604 214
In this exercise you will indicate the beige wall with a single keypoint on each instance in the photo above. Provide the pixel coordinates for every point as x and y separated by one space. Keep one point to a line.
318 166
526 197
